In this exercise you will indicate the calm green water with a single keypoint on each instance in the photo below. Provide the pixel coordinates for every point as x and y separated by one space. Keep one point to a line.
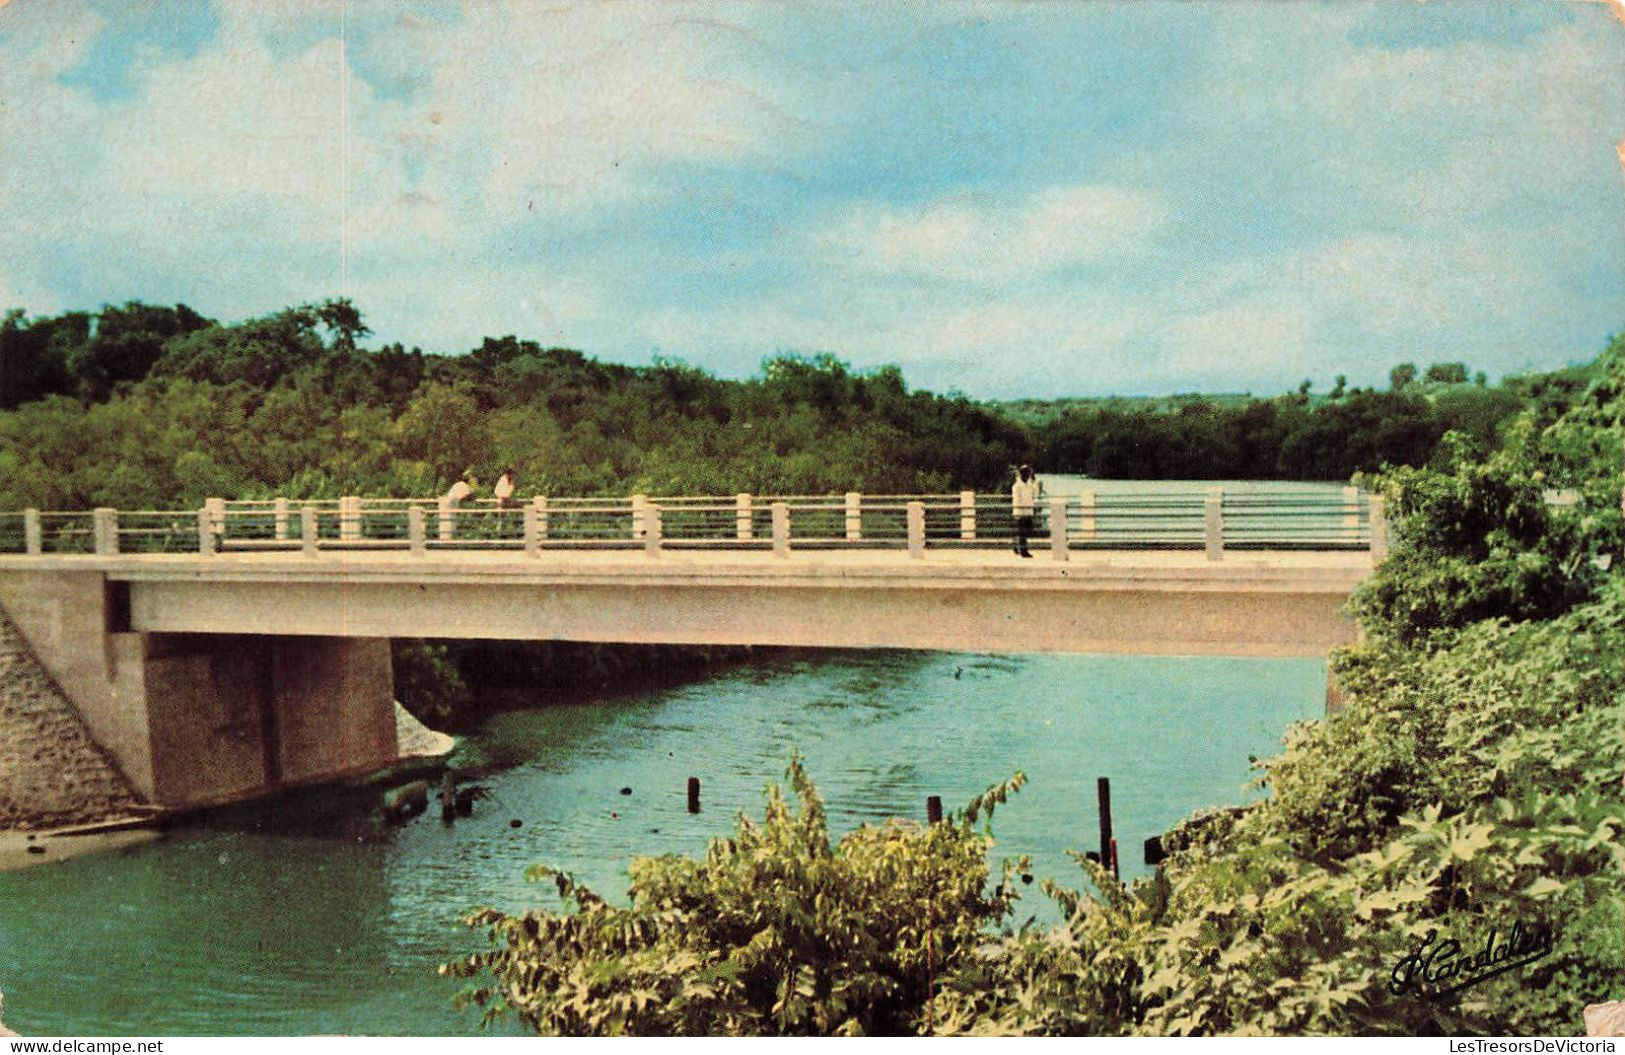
312 917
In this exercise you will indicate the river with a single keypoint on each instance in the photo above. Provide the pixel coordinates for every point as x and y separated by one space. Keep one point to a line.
310 916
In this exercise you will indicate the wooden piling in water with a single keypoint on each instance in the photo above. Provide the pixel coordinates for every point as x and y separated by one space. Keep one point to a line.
693 794
1103 791
933 809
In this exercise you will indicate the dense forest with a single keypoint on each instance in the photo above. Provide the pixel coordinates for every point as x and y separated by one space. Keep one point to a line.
141 406
1445 854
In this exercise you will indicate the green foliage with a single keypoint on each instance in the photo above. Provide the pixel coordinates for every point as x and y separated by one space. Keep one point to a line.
776 931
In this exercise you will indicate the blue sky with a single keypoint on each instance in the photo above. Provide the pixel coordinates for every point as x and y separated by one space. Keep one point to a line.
1005 199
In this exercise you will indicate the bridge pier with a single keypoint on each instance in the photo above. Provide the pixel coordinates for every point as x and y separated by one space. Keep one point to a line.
196 719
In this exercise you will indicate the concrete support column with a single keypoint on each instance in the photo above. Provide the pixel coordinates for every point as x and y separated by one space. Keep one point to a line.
1058 547
967 515
104 531
417 539
640 504
781 529
217 515
651 530
1379 529
916 530
279 515
205 531
1086 519
349 518
307 531
1351 513
742 517
443 518
33 537
1213 523
854 516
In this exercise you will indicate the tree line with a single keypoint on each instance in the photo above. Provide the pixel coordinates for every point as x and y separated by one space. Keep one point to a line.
150 406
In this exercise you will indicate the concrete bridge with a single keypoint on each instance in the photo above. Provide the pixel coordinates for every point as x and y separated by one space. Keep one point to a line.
254 653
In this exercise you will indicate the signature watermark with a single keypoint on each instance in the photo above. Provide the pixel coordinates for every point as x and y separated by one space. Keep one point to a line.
1438 968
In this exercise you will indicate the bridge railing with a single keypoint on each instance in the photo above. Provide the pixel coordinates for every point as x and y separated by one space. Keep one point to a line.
1213 520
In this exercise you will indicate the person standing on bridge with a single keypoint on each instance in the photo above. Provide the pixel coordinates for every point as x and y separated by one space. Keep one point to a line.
503 490
1023 500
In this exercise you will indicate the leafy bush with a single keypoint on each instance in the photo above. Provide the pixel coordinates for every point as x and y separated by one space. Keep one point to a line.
777 931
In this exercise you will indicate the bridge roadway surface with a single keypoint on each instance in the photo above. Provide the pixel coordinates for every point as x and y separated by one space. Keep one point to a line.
1250 603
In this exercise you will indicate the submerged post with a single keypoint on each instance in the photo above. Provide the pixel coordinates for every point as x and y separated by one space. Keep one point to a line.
1379 529
933 809
1057 529
33 537
416 537
307 531
742 517
854 516
1213 523
967 515
1103 793
916 530
693 794
781 529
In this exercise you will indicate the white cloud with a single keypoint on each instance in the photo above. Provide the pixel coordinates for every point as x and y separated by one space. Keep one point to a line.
968 237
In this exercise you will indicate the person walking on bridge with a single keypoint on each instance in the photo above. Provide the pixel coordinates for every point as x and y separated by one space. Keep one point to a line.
1023 500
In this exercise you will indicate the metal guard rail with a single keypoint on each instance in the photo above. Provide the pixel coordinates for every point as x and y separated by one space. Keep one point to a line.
1213 521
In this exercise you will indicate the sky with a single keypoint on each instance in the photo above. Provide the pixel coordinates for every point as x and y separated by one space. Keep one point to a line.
1007 200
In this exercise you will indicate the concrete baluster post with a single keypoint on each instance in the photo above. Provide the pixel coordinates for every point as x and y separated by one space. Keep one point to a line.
916 530
33 537
1213 523
1086 519
1351 514
350 518
533 531
1058 547
443 523
217 515
417 539
307 531
205 531
539 503
1379 529
967 515
742 517
781 530
279 516
854 516
651 530
640 503
104 531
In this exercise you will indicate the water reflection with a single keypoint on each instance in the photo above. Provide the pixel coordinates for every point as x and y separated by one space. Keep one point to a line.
313 917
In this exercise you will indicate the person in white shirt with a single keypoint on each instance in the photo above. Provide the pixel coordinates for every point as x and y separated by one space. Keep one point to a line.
503 490
1023 500
461 489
